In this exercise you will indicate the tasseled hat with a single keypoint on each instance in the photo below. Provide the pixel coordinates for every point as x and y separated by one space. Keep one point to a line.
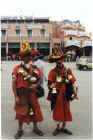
25 49
57 55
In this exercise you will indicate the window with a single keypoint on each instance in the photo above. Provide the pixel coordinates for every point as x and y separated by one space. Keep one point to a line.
42 33
29 33
17 32
3 32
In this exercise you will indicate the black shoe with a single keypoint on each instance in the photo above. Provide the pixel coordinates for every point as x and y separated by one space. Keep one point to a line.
18 134
38 131
56 132
66 131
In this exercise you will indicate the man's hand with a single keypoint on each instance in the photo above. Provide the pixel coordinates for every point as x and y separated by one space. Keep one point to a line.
52 85
46 79
33 86
75 93
17 100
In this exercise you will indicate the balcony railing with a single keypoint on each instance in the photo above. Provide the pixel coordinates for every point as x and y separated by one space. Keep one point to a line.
88 43
14 38
84 34
72 42
76 33
71 33
79 43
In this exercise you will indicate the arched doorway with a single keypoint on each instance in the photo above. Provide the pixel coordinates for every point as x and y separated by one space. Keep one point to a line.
74 50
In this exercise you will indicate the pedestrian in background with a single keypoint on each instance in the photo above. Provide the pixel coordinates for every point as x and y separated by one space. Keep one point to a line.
39 62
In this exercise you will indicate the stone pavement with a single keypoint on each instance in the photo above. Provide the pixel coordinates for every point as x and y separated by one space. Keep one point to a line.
81 109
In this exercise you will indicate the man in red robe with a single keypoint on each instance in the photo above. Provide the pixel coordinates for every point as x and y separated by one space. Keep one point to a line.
25 80
60 83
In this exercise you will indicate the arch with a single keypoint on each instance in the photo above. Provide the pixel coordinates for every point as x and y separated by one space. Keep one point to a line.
75 50
72 47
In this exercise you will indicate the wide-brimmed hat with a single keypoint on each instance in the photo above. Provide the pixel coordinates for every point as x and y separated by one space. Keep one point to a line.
35 54
57 55
26 50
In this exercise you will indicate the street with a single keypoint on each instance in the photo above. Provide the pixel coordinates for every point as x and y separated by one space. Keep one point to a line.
81 109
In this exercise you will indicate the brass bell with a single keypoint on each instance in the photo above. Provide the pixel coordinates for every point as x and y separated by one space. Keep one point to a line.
33 79
59 79
31 113
67 81
69 76
35 71
24 73
20 70
54 91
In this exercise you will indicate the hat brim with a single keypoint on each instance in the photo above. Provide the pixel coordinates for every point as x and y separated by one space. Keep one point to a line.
53 59
23 54
40 56
34 58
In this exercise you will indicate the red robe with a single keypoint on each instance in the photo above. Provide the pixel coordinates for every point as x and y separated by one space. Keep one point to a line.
33 99
61 111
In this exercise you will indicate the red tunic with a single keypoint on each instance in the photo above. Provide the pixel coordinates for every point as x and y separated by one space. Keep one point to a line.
34 101
61 111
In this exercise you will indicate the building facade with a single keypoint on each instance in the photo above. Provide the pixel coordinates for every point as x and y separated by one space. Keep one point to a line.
42 34
16 30
75 38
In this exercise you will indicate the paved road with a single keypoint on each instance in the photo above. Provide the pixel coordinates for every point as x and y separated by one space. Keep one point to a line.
81 109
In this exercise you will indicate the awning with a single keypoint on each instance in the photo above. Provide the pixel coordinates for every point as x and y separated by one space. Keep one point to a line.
13 45
43 45
3 45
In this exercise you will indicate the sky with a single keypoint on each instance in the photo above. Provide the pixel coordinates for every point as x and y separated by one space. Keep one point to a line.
54 9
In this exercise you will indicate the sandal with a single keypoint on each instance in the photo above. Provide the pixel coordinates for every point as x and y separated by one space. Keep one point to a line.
18 134
38 132
66 131
56 132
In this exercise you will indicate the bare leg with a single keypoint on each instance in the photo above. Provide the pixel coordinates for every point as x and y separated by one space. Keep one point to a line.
20 126
20 130
35 125
58 126
63 125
